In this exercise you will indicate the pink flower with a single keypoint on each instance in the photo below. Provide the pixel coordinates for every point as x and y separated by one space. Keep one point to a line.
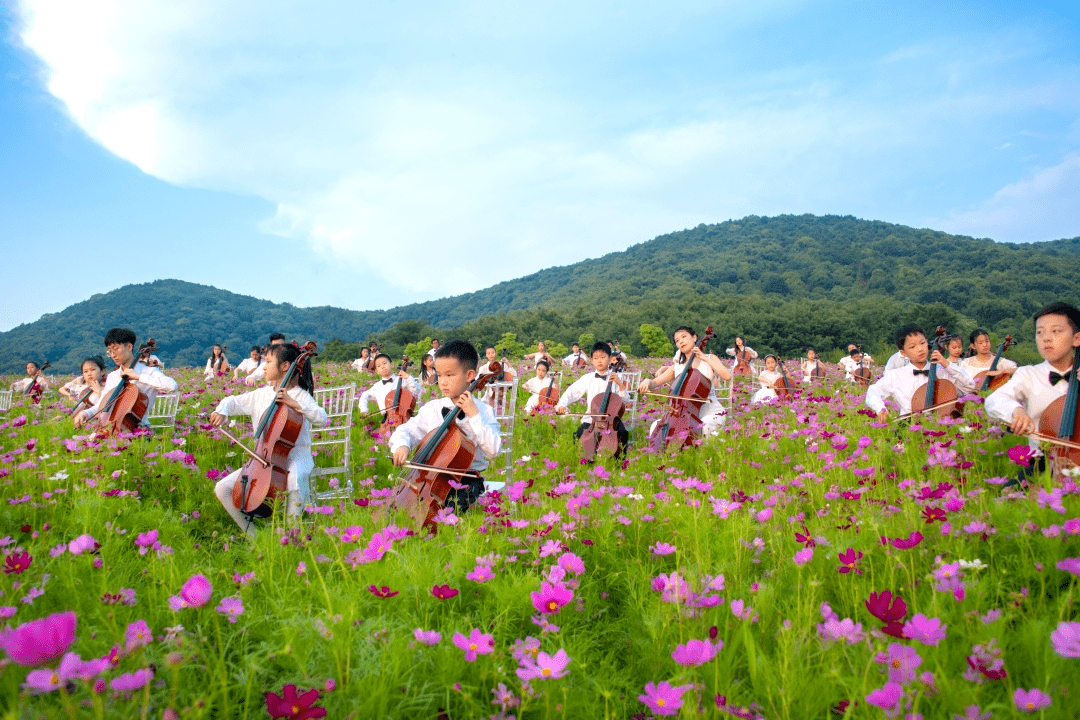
83 543
913 540
480 574
887 698
695 652
427 637
478 643
137 635
1066 639
383 592
1070 565
1021 454
444 592
742 611
196 591
804 556
928 631
132 681
17 563
663 548
551 598
1030 700
546 667
663 699
834 630
973 712
902 661
850 558
571 563
233 607
39 641
293 705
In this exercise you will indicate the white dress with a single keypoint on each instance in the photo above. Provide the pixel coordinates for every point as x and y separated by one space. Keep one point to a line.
767 392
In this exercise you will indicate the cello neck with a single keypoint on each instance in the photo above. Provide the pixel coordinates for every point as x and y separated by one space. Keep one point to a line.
1068 414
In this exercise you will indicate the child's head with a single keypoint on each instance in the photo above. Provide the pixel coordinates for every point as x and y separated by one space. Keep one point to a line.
216 350
364 353
601 356
255 352
277 339
980 340
455 364
541 369
540 346
384 366
811 353
93 368
685 339
954 346
31 368
911 342
575 348
771 362
489 353
1057 331
428 361
279 360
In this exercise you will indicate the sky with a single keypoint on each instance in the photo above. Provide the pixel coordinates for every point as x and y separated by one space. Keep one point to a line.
370 155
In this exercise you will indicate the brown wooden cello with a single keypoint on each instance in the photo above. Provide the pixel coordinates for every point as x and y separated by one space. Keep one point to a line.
689 393
938 395
126 407
742 359
548 395
862 373
606 410
984 380
782 386
34 389
443 456
400 403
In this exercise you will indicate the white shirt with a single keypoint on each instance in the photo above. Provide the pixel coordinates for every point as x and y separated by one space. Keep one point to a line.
572 358
247 365
257 375
77 387
809 366
751 352
482 429
896 361
534 385
382 392
900 384
712 406
1029 388
151 382
588 386
768 378
850 365
976 366
257 402
209 371
21 386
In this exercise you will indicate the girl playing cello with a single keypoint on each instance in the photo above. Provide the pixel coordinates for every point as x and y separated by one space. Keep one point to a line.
216 364
984 357
710 366
767 378
93 373
297 395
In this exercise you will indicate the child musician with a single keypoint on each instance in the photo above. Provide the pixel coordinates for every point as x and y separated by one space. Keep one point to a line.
595 383
535 384
575 358
540 354
1022 401
984 357
93 373
119 344
428 376
361 362
249 364
216 364
901 383
851 362
455 363
811 363
33 375
298 396
382 391
710 366
259 374
767 378
740 346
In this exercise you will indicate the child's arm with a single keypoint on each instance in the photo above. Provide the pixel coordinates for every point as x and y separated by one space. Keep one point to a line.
408 434
876 395
1009 404
573 393
159 381
233 405
310 409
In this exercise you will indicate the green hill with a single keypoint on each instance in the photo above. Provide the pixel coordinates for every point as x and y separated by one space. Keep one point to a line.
783 282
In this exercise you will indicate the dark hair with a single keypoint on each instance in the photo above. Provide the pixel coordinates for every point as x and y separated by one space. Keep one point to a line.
975 334
255 348
684 328
770 355
810 349
488 347
576 345
544 363
601 347
288 353
31 362
276 336
120 336
906 331
217 345
384 355
1060 308
856 351
96 359
460 350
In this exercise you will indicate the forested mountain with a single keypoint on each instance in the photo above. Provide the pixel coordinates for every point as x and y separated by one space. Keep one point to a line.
783 282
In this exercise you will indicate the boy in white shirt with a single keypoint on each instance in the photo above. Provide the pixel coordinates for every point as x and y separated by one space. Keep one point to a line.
595 383
382 392
900 384
576 358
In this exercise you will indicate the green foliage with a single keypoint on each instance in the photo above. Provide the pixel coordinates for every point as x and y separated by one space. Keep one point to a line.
586 341
416 350
557 350
508 346
654 339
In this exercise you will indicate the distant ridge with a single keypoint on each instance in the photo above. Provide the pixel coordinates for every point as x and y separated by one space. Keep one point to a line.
830 259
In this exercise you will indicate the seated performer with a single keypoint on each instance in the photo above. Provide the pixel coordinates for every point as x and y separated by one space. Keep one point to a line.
954 349
249 364
119 343
93 374
865 355
812 364
900 384
360 363
455 363
491 356
259 374
428 376
216 364
710 366
298 396
850 363
984 357
535 384
383 389
576 358
34 379
590 385
540 354
767 378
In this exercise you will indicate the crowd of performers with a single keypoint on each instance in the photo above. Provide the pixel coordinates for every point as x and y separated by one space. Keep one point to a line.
445 445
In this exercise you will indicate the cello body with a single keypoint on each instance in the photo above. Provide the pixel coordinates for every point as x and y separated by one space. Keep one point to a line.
983 380
683 416
400 404
742 363
1059 420
937 393
606 410
548 396
128 408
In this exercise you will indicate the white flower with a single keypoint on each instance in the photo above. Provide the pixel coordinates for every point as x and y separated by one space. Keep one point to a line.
60 475
975 564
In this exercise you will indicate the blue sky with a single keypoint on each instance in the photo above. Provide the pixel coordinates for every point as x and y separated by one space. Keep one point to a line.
366 156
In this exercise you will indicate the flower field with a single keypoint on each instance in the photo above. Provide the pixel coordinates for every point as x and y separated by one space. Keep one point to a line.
808 562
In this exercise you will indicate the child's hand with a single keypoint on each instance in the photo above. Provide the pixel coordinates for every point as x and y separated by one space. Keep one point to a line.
79 419
937 357
286 399
882 415
1022 424
465 402
217 419
644 386
401 455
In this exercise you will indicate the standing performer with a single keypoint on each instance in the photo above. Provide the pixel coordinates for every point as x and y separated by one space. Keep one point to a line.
119 343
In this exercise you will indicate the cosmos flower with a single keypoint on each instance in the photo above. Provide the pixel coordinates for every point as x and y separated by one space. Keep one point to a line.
664 699
477 643
40 641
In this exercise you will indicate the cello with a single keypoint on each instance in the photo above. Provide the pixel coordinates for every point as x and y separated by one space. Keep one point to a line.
221 365
401 406
606 410
126 407
742 359
984 380
782 386
34 390
937 395
266 473
689 393
1060 425
549 395
862 373
443 456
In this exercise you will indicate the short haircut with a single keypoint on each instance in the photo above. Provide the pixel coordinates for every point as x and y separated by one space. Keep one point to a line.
276 336
120 336
544 363
856 351
384 355
96 359
1060 308
906 331
460 350
488 347
601 347
255 348
576 345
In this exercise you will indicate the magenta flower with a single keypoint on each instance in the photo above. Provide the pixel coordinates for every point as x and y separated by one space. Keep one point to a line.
196 591
480 574
1070 565
571 563
131 682
43 681
889 609
1030 700
39 641
804 556
233 607
887 698
478 643
663 548
850 558
1021 454
928 631
293 706
427 637
1066 639
551 598
902 661
83 543
663 699
382 592
695 652
137 635
546 667
846 630
17 563
973 712
444 592
913 540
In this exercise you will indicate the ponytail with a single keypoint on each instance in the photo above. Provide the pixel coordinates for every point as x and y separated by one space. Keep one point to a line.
289 353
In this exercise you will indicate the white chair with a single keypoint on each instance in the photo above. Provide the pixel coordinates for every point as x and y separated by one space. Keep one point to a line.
336 435
725 393
5 400
163 412
632 403
503 401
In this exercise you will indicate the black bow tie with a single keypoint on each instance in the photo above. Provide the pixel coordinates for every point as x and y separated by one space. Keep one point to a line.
600 377
1055 378
447 410
387 382
925 372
